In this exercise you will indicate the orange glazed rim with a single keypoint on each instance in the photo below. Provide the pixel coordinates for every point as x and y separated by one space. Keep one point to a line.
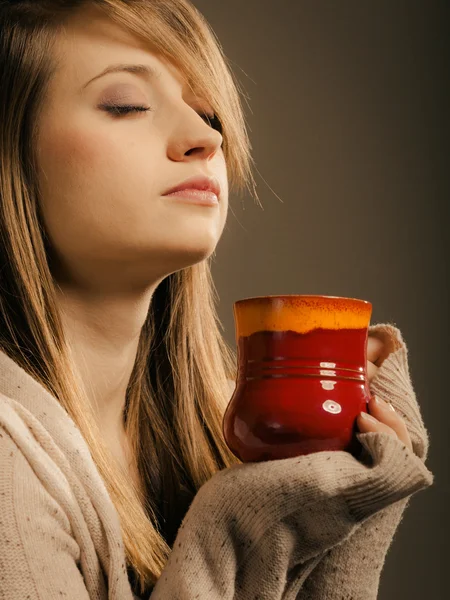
301 313
301 296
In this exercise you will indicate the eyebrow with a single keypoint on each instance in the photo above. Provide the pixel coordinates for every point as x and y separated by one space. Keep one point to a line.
145 71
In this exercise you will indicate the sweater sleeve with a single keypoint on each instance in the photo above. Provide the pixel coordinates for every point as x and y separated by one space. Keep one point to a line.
353 568
263 528
38 555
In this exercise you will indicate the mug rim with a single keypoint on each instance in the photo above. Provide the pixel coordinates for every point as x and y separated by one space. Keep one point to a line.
302 296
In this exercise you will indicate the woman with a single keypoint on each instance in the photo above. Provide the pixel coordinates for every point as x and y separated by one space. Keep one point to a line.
114 374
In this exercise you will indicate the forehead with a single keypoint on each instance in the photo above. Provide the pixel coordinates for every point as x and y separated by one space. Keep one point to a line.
90 42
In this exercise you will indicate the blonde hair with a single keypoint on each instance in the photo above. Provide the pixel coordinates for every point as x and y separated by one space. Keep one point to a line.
180 382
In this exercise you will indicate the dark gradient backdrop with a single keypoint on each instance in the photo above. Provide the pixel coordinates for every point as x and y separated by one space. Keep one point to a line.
348 111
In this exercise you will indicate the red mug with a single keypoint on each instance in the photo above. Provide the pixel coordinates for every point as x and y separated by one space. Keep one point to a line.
302 377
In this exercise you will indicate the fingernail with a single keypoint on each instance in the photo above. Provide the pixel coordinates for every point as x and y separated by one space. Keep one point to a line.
382 403
367 417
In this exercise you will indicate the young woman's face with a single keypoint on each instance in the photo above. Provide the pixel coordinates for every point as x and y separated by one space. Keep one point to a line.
103 176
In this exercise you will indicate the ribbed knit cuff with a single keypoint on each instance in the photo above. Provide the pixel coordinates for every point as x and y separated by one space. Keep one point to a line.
395 474
393 384
251 522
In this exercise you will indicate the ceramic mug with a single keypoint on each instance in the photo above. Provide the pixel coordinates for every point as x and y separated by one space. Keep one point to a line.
302 378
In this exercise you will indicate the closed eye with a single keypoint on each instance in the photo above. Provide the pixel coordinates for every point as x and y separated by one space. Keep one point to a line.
213 121
119 110
124 109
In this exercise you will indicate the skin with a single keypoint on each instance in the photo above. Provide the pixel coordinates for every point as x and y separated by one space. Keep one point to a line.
113 234
115 237
385 419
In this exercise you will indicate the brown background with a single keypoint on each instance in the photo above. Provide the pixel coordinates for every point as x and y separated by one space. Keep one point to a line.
350 129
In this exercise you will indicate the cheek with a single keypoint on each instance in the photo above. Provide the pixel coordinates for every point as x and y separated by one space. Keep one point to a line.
79 163
92 184
75 155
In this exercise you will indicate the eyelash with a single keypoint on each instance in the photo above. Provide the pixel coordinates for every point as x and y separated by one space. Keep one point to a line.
214 119
126 109
123 109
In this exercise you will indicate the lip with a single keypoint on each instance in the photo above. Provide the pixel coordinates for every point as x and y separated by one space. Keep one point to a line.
202 183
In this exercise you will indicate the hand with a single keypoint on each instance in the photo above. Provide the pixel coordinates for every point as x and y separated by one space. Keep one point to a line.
384 415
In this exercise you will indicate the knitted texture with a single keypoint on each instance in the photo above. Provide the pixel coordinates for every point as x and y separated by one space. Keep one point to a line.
295 528
268 527
353 568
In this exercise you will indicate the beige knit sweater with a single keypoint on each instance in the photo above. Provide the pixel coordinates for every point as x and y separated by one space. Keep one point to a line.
316 526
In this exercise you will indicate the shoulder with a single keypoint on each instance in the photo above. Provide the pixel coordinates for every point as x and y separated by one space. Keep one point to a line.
27 497
38 551
30 479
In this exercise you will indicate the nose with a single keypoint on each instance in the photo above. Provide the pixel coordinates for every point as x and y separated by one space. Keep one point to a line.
193 137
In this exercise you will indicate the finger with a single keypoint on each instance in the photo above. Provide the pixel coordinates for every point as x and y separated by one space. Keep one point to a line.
375 349
368 423
371 370
384 413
